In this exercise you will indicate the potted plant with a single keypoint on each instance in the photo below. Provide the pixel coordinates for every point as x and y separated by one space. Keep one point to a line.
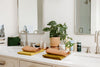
57 32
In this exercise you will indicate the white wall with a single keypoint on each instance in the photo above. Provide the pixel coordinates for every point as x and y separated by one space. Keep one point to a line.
8 16
62 11
58 10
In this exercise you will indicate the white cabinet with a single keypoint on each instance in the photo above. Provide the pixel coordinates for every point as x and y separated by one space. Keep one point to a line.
30 64
8 62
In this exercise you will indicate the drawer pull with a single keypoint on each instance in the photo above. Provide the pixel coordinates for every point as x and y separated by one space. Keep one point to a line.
2 62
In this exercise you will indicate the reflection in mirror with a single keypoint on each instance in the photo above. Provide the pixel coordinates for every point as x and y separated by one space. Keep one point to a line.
30 16
2 34
83 17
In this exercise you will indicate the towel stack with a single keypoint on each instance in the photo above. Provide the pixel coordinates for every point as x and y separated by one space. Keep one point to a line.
56 54
27 50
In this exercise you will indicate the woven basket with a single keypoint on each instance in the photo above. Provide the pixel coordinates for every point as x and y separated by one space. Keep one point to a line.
54 41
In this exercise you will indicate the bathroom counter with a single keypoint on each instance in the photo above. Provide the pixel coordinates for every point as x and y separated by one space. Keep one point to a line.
73 60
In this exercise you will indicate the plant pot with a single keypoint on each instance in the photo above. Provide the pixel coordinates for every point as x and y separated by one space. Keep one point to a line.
55 47
54 41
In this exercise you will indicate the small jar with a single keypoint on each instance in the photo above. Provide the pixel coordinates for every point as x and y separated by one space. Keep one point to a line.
44 45
33 44
41 44
78 46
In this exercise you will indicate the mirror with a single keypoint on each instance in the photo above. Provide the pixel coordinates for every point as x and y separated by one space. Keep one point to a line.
83 15
30 16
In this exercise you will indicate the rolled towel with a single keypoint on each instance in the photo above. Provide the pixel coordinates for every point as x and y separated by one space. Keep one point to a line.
57 52
30 49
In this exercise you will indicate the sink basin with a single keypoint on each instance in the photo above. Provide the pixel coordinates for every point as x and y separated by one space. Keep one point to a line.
87 55
84 59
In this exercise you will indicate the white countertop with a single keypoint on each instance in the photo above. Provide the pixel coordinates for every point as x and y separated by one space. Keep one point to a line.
75 59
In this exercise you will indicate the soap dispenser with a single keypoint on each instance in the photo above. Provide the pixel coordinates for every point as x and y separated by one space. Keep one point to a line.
78 46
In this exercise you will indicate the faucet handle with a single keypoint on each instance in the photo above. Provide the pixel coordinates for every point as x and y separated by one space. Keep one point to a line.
88 49
95 36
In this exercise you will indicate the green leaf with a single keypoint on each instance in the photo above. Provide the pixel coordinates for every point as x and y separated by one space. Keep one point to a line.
59 25
52 23
46 29
69 44
57 30
70 38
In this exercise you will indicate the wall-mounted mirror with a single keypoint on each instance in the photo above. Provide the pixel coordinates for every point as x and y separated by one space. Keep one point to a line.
30 16
84 17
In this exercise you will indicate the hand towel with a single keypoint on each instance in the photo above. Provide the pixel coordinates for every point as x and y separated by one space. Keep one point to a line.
30 53
57 52
30 49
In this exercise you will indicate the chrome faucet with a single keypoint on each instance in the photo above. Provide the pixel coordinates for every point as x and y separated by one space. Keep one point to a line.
97 41
26 42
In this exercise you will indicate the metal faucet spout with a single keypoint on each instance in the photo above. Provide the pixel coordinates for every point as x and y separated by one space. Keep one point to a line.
97 41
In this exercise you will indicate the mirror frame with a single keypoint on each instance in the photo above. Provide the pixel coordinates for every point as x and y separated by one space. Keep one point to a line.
39 14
